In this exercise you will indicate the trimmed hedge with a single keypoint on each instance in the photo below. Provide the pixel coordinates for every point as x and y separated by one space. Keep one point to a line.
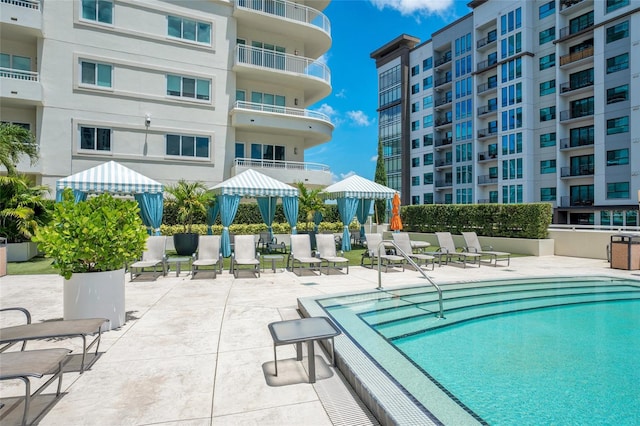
492 220
255 228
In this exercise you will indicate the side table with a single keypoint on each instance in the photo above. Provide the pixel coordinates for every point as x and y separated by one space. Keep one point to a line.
178 261
272 258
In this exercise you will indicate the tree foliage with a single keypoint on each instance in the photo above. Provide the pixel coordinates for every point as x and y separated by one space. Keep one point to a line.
381 178
191 200
22 208
16 141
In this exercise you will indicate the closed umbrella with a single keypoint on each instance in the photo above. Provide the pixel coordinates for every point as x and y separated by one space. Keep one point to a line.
396 223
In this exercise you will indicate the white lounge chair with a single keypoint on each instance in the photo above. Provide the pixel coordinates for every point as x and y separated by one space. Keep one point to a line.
473 246
403 242
244 254
449 251
327 252
301 253
208 254
153 256
373 241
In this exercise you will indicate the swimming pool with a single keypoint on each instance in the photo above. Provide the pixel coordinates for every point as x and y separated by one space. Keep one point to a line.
536 351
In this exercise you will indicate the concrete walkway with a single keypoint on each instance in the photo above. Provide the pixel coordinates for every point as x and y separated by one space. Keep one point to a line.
198 352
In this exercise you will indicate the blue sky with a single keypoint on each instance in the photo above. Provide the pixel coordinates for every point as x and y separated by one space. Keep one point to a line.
358 27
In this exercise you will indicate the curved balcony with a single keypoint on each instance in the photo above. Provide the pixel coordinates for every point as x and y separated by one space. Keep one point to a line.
296 72
312 126
286 17
22 17
286 171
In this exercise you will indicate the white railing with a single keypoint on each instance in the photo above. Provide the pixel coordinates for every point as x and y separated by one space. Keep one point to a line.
29 4
283 165
297 112
263 58
615 228
289 10
18 74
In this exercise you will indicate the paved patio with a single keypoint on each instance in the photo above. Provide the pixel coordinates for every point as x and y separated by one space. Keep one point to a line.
198 352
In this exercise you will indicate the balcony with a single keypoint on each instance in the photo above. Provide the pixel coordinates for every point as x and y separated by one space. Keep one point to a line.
484 65
444 59
443 80
444 101
487 86
441 122
487 180
576 56
23 17
296 72
586 170
575 114
286 171
572 6
443 142
287 17
488 41
576 84
444 184
488 132
572 30
569 143
567 201
486 109
19 87
312 126
487 156
444 162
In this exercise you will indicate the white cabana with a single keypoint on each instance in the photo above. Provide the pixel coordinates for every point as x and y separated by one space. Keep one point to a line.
354 196
265 189
114 178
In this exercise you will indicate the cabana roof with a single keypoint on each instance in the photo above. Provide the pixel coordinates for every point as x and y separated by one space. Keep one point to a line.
357 187
251 183
110 177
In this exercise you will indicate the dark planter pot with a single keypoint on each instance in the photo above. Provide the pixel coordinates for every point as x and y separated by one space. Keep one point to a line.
185 244
312 238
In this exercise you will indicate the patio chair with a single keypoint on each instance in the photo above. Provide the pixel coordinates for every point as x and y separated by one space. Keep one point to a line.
356 238
473 246
153 256
301 253
208 254
327 252
264 240
244 254
10 336
403 242
448 250
373 241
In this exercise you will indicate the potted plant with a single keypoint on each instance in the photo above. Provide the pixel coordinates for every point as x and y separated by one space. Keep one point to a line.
191 200
310 203
90 243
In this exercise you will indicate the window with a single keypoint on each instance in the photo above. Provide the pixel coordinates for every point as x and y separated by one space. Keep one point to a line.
427 159
618 190
427 198
580 79
617 63
415 70
618 157
415 199
511 70
415 125
15 62
95 74
618 31
415 162
512 144
415 89
581 136
98 10
267 152
415 107
547 194
188 29
547 87
427 178
618 94
548 61
427 83
547 35
581 194
511 194
415 180
618 125
186 87
512 119
547 9
547 140
415 143
511 45
512 94
547 114
547 166
427 102
427 64
239 150
95 138
511 21
427 121
581 107
581 22
188 146
512 169
616 4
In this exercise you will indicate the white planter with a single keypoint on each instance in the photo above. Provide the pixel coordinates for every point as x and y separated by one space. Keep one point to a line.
21 252
95 295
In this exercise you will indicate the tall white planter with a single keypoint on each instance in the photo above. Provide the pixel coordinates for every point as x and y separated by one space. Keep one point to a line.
96 295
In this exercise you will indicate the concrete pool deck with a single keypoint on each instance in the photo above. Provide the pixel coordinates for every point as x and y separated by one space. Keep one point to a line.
198 352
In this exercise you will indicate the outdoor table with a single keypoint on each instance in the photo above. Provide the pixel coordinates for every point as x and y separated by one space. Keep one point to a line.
178 261
272 258
303 330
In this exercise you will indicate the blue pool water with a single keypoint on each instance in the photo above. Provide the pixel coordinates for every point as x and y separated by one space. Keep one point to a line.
523 352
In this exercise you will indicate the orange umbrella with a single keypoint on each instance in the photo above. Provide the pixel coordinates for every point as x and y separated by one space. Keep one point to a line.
396 223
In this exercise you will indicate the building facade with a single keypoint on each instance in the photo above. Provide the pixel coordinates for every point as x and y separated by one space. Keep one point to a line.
521 102
195 90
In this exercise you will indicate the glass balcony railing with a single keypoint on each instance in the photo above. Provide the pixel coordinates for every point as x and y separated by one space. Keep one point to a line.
575 113
576 84
486 109
294 112
584 170
281 165
490 38
567 143
487 63
443 59
490 131
263 58
289 10
567 201
487 179
487 86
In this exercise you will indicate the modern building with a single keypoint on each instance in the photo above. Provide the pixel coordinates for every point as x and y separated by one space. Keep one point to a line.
197 90
519 102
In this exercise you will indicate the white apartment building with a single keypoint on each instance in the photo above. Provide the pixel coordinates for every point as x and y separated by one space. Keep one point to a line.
199 90
519 102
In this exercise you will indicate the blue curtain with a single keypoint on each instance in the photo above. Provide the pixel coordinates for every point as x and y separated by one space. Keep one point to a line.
267 206
364 206
317 218
212 214
77 195
151 207
228 209
290 205
347 207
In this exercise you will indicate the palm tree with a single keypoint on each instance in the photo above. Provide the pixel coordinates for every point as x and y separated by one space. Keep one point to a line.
16 141
190 198
22 208
310 203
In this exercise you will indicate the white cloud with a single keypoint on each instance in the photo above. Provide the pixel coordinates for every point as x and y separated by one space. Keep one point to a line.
409 7
341 94
327 110
346 175
374 159
359 118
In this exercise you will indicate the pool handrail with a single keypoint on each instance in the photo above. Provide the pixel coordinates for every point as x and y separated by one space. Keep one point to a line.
384 243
